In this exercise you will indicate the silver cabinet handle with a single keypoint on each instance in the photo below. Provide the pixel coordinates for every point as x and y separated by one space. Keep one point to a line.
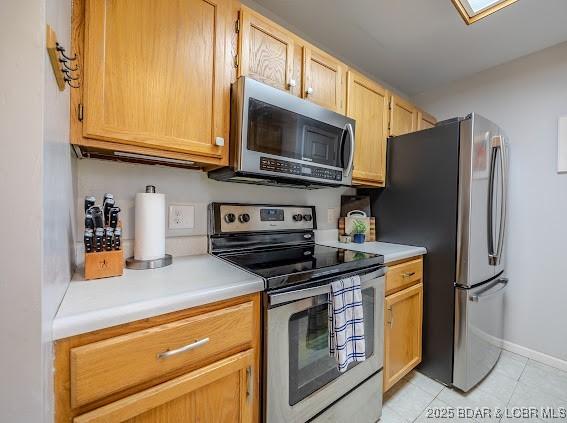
183 349
309 90
408 274
350 131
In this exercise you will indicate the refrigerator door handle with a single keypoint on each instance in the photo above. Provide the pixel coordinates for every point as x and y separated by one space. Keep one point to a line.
496 149
487 292
503 202
490 205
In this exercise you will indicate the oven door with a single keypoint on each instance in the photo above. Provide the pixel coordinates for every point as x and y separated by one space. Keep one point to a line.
284 136
301 377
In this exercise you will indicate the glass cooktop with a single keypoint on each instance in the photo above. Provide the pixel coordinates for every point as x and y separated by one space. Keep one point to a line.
293 265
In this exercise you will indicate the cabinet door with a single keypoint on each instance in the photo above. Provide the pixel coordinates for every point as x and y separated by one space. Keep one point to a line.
425 120
155 74
402 333
220 392
403 116
323 80
266 51
367 103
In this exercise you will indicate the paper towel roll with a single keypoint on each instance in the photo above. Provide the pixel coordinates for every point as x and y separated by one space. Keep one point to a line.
149 232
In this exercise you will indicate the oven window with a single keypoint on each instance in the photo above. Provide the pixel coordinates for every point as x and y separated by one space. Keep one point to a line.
310 365
277 131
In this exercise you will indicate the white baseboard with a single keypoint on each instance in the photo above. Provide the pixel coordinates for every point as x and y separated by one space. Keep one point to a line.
535 355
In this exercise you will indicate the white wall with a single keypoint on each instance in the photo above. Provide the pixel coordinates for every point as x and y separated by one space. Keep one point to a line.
58 196
22 64
124 180
526 97
38 206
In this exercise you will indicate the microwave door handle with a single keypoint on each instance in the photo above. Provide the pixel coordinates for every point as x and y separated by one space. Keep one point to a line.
504 196
350 131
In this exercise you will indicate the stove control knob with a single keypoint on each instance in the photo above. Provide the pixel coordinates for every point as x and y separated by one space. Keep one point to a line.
229 218
244 218
307 217
298 217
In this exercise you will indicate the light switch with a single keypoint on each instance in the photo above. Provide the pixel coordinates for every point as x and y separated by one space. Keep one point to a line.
181 216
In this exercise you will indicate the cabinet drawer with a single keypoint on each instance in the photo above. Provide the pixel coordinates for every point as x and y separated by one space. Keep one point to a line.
111 365
402 275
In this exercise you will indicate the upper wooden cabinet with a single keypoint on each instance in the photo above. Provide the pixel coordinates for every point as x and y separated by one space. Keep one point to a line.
273 55
155 75
266 51
367 103
323 80
403 116
425 120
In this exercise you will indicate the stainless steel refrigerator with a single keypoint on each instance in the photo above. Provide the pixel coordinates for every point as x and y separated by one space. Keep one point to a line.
446 190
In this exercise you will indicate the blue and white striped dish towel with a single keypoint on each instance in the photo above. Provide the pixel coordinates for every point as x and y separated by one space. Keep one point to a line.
346 322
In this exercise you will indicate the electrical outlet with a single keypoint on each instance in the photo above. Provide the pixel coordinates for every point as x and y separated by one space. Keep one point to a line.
333 215
181 216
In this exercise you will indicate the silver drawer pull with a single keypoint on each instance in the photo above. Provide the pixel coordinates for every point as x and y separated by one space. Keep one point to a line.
408 274
183 349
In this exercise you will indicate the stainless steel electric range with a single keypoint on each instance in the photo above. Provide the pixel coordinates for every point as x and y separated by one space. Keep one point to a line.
301 382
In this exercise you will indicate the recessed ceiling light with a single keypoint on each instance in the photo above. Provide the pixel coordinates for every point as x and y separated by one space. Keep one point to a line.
474 10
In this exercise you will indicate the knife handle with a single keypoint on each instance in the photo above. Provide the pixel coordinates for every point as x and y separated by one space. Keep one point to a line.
99 234
89 221
117 238
88 237
113 217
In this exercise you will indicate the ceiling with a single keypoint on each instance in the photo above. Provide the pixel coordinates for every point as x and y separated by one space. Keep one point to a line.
418 45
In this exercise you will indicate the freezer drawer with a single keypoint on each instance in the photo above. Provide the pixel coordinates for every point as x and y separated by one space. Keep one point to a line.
478 331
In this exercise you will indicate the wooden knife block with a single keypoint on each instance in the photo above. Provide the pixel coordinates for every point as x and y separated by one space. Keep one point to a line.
104 264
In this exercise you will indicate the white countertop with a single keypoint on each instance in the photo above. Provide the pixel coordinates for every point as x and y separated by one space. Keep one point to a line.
391 252
138 294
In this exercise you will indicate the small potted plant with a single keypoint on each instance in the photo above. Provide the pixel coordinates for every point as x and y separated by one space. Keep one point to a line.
359 229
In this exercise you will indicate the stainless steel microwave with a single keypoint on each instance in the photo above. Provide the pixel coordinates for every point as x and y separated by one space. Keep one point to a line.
279 139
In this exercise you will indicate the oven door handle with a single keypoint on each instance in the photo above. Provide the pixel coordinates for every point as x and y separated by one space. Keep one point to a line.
301 294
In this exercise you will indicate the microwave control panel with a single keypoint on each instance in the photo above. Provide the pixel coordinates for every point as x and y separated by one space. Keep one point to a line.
292 168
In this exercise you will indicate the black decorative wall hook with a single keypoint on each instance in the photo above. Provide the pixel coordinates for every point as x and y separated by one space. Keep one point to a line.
65 72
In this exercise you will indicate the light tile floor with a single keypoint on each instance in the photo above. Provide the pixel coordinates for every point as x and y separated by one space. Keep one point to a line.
515 381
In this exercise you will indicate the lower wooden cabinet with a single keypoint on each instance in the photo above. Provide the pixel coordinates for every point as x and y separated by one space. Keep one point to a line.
220 392
403 315
195 365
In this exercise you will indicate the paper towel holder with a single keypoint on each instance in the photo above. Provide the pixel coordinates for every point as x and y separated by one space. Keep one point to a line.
132 263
